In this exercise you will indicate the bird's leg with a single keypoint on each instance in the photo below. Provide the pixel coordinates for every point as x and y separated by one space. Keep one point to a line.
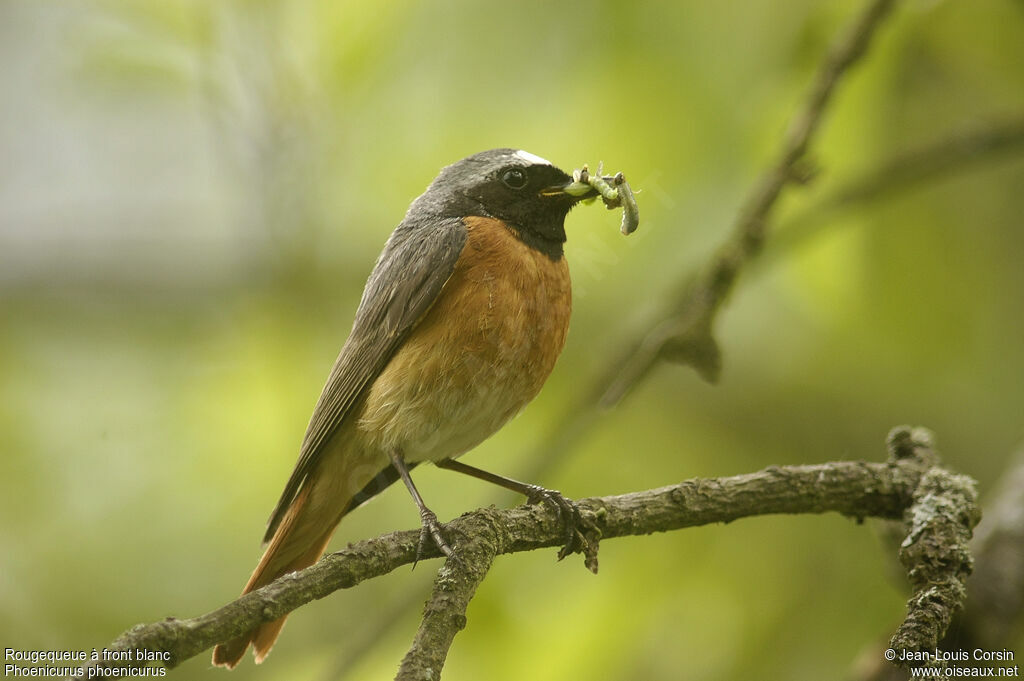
428 519
567 511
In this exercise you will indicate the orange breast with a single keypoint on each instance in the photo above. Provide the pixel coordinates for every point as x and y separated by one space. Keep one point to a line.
481 353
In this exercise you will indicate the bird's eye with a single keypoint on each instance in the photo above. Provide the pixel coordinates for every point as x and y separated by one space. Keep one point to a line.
514 178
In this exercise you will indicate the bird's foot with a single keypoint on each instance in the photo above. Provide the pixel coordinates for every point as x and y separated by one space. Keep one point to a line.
430 531
580 534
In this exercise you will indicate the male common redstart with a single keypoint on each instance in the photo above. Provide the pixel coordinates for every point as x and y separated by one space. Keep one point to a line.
460 324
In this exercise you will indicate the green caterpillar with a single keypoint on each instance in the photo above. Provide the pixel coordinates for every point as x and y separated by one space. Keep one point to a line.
614 191
630 211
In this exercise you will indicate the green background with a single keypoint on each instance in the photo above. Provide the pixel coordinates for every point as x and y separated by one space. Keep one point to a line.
193 193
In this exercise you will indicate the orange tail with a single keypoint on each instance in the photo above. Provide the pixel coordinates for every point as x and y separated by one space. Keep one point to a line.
299 542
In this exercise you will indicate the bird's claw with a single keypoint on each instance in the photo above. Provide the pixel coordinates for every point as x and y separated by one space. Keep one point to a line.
568 514
430 531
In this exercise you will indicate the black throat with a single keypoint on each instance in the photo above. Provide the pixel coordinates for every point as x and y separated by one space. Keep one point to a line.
549 240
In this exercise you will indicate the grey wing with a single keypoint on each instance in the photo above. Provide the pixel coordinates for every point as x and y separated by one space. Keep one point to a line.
410 273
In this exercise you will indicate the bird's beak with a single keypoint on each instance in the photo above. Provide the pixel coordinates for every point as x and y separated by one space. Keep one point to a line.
574 189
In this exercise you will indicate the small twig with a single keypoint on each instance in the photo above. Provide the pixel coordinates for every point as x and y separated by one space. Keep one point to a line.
855 489
685 334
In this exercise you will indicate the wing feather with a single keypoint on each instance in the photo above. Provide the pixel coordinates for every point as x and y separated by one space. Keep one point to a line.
417 260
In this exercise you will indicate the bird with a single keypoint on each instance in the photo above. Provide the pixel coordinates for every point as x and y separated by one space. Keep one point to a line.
459 326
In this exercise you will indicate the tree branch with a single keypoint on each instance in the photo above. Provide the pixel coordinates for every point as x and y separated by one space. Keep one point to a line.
939 524
855 489
993 610
479 541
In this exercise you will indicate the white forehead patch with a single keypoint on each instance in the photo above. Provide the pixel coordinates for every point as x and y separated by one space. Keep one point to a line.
532 159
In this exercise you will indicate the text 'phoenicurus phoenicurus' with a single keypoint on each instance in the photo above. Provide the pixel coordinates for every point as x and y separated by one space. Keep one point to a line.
460 324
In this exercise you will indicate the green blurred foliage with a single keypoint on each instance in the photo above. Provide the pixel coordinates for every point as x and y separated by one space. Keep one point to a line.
193 194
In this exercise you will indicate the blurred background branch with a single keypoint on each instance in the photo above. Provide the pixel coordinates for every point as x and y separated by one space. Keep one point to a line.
995 604
684 334
961 151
